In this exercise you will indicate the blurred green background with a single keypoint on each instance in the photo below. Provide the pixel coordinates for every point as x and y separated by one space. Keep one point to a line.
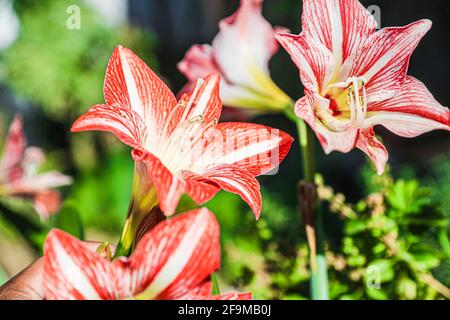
398 223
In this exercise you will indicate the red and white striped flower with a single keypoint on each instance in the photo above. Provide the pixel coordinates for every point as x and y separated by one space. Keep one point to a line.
240 53
179 147
20 176
173 261
356 78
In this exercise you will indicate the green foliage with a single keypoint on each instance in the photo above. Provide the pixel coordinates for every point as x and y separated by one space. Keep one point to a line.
69 220
3 276
20 216
102 193
59 69
393 244
394 234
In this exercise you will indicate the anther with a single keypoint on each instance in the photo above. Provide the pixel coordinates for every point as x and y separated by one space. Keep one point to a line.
197 119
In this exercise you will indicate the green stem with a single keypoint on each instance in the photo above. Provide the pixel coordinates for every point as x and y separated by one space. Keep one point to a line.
126 242
215 282
319 276
143 201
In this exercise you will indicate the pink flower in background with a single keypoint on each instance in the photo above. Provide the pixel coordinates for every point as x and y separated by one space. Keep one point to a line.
173 261
179 147
20 176
240 53
356 78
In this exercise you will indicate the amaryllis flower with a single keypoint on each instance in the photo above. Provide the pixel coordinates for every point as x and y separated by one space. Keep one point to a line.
356 78
173 261
240 53
179 147
20 176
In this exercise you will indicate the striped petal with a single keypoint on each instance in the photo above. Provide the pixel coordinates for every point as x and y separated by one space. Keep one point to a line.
14 150
252 147
199 188
412 112
198 62
123 122
384 59
169 186
343 141
339 25
233 295
241 182
73 272
205 101
47 202
174 260
201 292
130 83
370 145
314 61
245 41
184 252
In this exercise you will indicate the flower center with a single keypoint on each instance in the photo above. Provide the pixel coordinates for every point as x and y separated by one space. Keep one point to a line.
348 104
182 148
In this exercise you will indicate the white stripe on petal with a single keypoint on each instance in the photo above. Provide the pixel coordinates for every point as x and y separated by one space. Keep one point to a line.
136 103
73 273
180 257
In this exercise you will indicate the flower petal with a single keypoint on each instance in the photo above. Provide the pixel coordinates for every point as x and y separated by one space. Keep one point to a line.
412 112
233 295
343 141
254 148
44 181
204 101
370 145
339 25
245 41
47 203
199 189
314 61
184 252
72 271
198 62
123 122
201 292
384 59
130 83
241 182
13 151
169 186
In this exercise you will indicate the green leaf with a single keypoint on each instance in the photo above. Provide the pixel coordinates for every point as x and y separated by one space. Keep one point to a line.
407 197
407 288
3 276
377 294
382 268
355 226
69 220
426 260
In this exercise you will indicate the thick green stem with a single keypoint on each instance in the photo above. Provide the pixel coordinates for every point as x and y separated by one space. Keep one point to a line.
142 203
307 147
319 276
126 242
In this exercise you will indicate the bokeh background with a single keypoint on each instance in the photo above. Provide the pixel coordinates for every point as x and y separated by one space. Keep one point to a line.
398 222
